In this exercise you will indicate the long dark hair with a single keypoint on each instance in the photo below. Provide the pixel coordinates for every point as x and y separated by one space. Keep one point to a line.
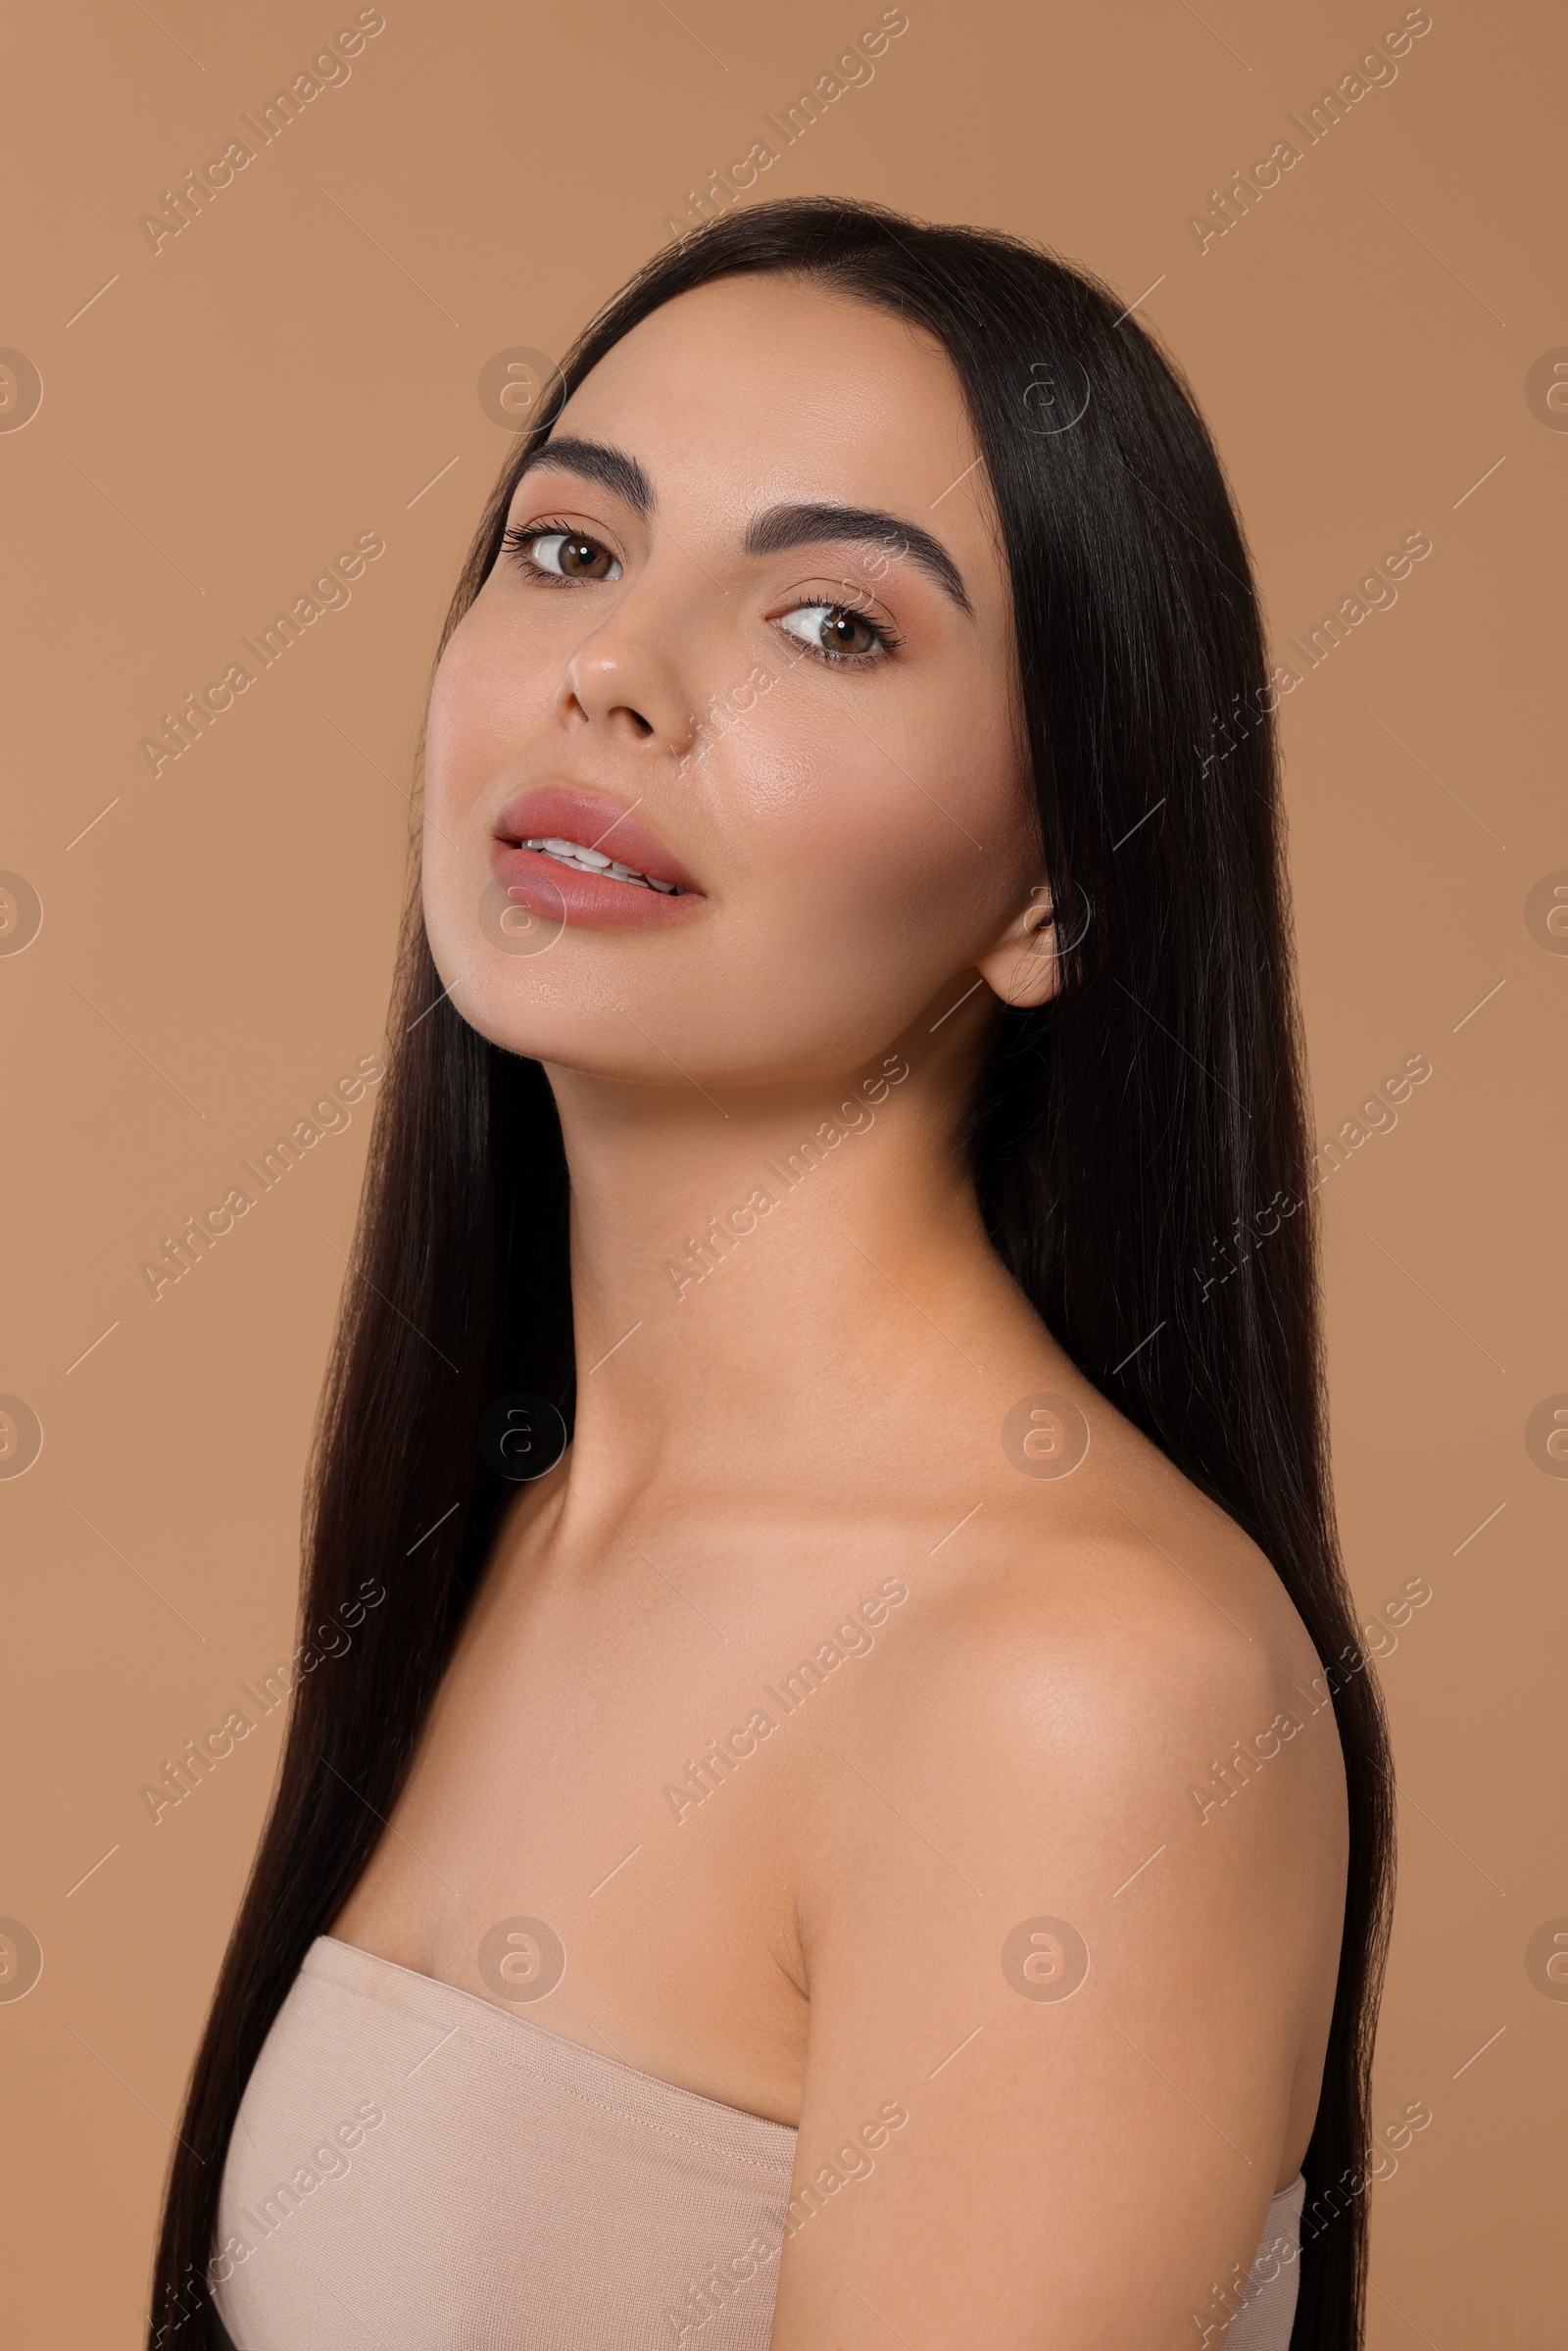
1138 1145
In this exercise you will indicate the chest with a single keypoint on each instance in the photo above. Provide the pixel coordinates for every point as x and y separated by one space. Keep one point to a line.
604 1824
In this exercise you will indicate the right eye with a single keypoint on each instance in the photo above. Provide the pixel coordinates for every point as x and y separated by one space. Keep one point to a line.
563 553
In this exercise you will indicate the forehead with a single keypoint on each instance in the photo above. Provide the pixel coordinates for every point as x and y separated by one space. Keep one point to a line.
751 391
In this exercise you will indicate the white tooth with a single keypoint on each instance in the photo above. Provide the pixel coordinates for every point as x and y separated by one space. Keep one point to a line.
594 860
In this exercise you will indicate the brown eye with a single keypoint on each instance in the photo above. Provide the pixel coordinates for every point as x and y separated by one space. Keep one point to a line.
834 631
570 554
847 632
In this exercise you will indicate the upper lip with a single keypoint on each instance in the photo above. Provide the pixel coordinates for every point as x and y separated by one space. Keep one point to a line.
559 811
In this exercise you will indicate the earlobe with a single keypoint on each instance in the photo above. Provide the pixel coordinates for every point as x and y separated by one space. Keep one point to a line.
1024 967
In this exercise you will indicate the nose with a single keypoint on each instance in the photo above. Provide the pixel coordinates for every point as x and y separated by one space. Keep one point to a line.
617 683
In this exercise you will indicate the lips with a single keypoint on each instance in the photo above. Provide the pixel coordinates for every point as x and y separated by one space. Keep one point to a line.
605 866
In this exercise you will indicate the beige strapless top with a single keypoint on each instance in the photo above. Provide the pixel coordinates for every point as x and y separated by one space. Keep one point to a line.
417 2168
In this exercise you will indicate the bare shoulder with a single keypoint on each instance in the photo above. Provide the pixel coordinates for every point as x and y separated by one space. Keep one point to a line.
1117 1597
1103 1706
1069 1915
1140 1670
1070 1924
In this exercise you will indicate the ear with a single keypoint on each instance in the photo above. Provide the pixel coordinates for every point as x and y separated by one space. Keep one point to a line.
1024 967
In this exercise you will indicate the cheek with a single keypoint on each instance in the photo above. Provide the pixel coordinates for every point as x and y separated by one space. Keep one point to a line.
488 700
902 835
480 698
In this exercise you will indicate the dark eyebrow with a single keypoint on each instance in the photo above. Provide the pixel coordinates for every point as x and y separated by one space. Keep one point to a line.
612 469
777 530
785 527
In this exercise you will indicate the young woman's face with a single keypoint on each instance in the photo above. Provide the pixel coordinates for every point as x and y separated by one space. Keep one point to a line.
751 636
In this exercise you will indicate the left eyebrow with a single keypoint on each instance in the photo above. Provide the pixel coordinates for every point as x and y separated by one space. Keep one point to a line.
782 527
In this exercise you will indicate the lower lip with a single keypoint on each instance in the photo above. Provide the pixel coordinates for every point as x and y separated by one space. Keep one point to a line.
595 901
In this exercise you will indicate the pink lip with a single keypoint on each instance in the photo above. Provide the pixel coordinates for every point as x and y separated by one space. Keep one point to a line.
596 902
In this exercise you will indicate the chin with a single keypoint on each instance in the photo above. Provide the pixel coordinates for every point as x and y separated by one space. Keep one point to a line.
529 1005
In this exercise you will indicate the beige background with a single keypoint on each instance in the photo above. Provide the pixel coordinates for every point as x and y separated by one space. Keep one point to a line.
296 368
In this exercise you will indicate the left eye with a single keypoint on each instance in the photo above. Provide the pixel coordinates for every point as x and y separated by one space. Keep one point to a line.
833 630
568 555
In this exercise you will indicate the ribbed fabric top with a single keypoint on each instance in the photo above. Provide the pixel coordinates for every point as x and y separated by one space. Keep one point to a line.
414 2166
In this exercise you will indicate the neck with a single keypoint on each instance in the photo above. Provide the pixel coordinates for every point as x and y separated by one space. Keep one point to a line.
761 1275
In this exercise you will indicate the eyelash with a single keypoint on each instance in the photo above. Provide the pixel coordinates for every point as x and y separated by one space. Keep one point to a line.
515 541
886 638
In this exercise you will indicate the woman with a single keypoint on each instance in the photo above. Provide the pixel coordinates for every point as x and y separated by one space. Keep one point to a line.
887 1830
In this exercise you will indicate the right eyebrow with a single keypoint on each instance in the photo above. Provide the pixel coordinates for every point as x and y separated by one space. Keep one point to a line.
612 469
